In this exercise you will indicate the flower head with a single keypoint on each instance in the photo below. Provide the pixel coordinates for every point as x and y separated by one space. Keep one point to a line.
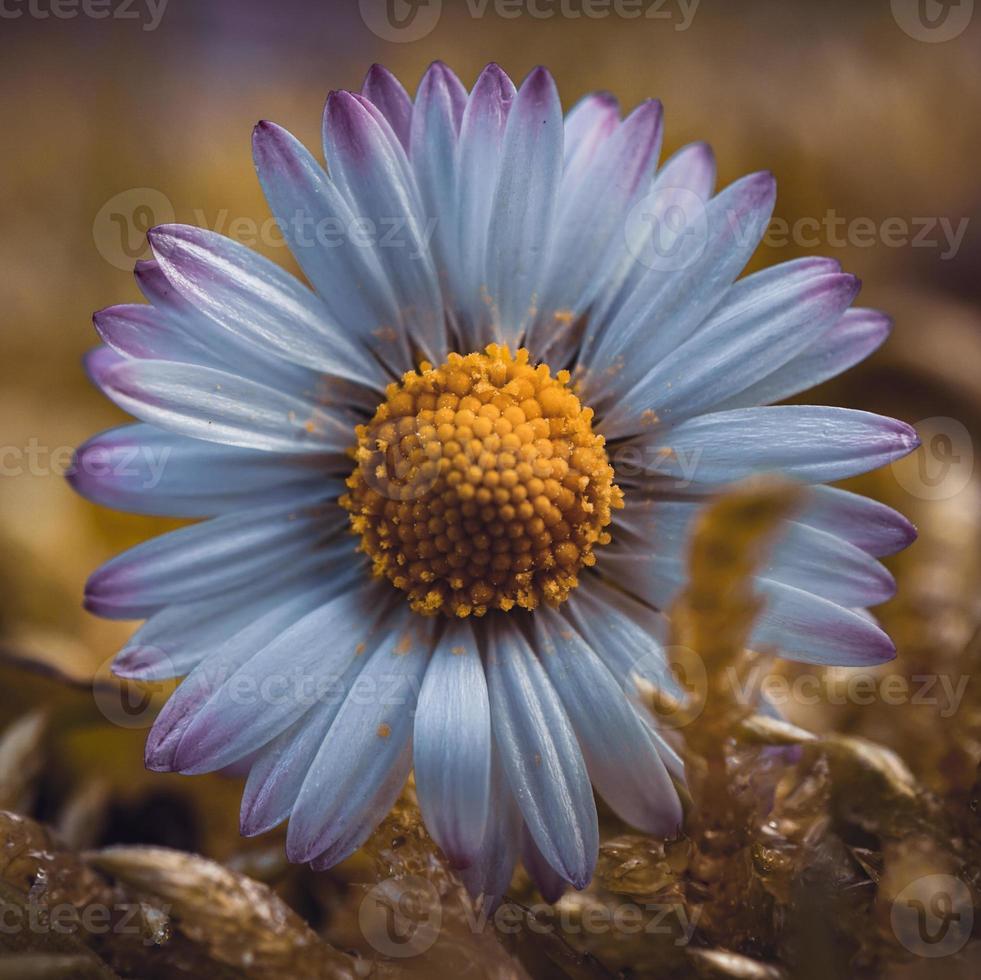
524 362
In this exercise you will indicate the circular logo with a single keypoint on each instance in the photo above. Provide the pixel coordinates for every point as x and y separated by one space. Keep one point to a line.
391 465
119 229
128 704
933 916
942 467
401 21
401 917
933 21
667 229
683 681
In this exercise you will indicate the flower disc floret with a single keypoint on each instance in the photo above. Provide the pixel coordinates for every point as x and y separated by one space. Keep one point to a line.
481 485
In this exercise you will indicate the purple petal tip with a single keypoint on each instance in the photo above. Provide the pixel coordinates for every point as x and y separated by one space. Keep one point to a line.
704 150
764 182
275 147
97 362
379 80
539 84
909 532
132 662
908 436
157 762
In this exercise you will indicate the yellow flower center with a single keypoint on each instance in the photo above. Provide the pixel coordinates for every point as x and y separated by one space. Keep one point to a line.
480 485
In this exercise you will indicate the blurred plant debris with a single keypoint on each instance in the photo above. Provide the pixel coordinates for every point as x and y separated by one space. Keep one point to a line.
807 841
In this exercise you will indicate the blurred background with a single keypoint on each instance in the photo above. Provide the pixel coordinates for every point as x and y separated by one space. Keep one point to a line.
118 116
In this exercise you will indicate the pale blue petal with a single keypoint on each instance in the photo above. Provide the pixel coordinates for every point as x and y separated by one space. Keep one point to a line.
690 171
143 331
281 766
795 624
551 885
588 124
216 406
580 262
814 444
173 641
278 771
219 347
284 679
852 339
363 763
452 746
370 167
326 237
253 298
541 756
867 524
813 630
435 131
524 205
146 470
488 878
682 287
759 327
197 689
801 556
388 94
479 148
622 760
210 558
627 636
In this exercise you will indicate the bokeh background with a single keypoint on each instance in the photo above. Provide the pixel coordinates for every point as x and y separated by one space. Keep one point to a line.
111 124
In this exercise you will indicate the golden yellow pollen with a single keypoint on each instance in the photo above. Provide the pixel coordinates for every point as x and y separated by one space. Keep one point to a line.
480 485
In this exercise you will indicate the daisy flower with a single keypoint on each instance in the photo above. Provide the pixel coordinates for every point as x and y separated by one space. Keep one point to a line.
448 484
